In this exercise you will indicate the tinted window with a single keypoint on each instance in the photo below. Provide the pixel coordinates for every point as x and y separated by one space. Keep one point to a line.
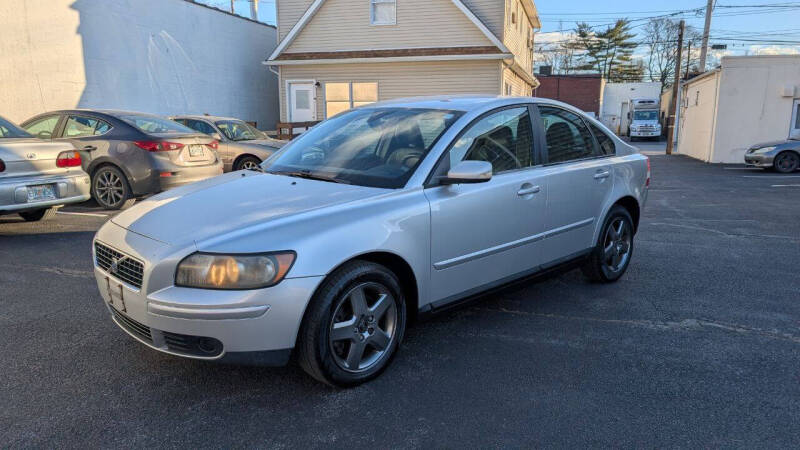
197 125
237 130
502 138
567 137
607 146
154 124
78 126
44 127
9 130
368 147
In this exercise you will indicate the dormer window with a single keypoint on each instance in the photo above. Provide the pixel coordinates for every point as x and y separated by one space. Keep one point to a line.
383 12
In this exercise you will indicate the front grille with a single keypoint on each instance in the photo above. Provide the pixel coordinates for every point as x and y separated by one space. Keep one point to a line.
119 265
134 327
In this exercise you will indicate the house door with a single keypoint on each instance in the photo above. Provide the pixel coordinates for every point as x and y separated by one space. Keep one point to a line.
794 130
301 101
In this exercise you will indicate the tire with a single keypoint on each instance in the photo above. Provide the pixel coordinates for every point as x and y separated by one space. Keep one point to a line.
247 163
333 357
110 188
786 162
614 249
39 214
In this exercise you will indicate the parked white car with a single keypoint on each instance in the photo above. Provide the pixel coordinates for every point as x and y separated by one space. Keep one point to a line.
366 220
37 176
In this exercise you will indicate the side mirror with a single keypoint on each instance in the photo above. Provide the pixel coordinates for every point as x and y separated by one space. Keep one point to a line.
469 172
217 137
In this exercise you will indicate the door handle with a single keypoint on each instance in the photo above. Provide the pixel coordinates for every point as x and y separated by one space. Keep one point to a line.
89 148
602 174
528 191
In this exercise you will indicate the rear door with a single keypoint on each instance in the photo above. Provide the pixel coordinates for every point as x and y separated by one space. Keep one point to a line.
88 135
580 180
487 232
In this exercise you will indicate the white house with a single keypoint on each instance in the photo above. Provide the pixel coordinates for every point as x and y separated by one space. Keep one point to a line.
749 99
616 101
157 56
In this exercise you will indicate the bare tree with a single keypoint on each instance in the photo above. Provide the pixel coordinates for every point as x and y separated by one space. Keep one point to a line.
661 41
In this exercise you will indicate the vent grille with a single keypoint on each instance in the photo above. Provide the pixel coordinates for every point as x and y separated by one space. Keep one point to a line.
119 265
134 327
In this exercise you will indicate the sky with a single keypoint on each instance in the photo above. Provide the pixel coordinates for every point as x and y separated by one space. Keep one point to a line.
746 30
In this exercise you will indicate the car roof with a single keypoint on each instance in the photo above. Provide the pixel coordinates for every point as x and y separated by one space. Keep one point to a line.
107 112
203 117
461 102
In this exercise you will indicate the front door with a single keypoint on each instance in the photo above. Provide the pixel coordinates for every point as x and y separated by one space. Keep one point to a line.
301 101
580 178
486 232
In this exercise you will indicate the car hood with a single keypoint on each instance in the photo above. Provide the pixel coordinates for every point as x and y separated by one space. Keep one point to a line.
232 202
768 144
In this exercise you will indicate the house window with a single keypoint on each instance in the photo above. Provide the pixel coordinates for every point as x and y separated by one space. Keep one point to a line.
383 12
343 96
507 89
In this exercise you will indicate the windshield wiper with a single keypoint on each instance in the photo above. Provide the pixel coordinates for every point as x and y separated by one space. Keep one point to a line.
311 176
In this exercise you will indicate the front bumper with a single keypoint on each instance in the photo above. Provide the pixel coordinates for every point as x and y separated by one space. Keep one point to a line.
261 324
645 133
68 189
758 160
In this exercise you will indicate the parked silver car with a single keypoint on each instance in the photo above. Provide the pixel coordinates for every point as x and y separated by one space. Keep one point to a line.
368 219
241 145
130 154
37 176
781 156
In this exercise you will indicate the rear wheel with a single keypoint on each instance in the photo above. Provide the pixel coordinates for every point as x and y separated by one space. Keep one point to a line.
786 162
39 214
610 258
110 188
247 163
353 325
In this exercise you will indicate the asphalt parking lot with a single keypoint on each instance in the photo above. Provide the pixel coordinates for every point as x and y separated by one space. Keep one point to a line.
697 345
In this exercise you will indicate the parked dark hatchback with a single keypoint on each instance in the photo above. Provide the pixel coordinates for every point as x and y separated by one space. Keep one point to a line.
130 154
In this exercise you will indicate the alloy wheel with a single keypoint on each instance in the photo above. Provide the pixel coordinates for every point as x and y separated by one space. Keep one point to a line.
109 188
617 245
787 162
250 165
363 327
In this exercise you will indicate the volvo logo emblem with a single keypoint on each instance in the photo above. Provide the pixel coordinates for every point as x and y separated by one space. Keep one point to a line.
115 265
31 156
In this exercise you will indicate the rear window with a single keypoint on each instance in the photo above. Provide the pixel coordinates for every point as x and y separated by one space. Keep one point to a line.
154 125
9 130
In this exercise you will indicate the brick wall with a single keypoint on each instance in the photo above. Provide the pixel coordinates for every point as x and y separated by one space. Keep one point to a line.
582 91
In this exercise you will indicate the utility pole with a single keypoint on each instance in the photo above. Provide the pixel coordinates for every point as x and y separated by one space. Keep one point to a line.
674 101
233 8
254 9
688 60
706 30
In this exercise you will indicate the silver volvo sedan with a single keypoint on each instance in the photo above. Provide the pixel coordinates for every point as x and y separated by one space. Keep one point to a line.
36 177
369 219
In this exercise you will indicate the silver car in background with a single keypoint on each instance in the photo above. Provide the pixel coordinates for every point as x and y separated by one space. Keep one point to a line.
241 145
780 156
370 218
37 176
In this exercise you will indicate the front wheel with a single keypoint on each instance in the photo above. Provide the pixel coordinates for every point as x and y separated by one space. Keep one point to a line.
610 258
786 162
353 325
39 214
248 163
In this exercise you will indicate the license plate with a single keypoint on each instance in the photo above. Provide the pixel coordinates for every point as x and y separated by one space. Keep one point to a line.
41 192
115 291
195 150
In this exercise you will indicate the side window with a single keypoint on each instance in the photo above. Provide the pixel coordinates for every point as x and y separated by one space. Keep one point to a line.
503 138
78 126
567 136
43 128
607 146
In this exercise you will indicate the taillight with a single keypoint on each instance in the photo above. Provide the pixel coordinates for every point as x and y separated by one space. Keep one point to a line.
152 146
647 183
213 144
68 159
2 166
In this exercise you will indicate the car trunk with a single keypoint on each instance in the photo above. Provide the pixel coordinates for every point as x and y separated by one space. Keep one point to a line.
27 157
194 149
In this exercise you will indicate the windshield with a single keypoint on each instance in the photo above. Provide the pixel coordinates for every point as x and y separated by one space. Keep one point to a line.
9 130
367 147
155 125
237 130
645 115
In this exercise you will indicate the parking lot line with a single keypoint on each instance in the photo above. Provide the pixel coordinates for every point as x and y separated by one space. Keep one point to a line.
786 185
741 168
775 177
83 214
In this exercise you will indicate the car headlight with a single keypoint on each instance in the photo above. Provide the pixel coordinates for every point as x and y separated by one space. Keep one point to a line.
215 271
764 149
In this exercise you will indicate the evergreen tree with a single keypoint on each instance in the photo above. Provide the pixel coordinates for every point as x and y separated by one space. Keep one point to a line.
610 52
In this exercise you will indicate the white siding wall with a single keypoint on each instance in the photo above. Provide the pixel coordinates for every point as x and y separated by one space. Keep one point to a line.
697 113
490 12
289 12
159 56
396 80
519 87
516 34
345 25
